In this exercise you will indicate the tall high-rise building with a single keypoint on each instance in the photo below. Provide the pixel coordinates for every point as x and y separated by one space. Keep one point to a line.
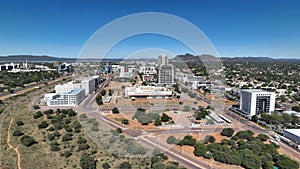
255 101
163 60
165 71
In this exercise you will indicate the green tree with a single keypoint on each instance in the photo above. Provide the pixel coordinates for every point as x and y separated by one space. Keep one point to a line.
200 149
103 92
254 118
262 137
296 108
88 162
115 110
99 100
267 165
110 93
251 162
227 132
119 130
125 165
171 140
158 122
283 162
211 139
165 118
106 165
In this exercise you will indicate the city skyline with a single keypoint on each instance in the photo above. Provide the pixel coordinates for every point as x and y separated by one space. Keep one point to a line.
258 29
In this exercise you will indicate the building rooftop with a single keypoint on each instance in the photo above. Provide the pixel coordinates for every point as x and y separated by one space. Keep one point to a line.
256 91
294 131
75 91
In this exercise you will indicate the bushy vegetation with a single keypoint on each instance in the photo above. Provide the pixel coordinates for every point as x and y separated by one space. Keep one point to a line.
244 150
19 79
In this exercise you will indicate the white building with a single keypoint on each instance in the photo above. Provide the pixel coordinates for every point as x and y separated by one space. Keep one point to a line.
115 68
70 98
89 84
10 66
163 60
127 72
292 134
147 69
194 82
147 92
255 101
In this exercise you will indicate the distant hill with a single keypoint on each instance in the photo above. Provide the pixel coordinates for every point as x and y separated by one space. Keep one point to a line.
191 58
44 58
32 58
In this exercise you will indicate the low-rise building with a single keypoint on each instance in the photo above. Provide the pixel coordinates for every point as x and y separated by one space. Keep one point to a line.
292 134
147 92
71 98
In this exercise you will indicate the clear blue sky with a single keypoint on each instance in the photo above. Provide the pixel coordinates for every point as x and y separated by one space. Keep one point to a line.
236 27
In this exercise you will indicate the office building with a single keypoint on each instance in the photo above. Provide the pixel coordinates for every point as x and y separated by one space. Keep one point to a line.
127 71
255 101
165 71
70 98
64 67
163 60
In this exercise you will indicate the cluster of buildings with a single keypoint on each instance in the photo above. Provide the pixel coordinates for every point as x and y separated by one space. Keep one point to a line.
71 93
194 82
23 67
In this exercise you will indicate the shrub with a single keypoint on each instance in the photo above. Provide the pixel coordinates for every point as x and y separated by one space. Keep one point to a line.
88 162
36 106
20 123
17 132
83 146
38 114
43 124
27 140
119 130
125 121
67 154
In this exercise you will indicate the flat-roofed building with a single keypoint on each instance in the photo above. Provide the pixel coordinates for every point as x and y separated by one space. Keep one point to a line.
71 98
147 92
292 134
256 101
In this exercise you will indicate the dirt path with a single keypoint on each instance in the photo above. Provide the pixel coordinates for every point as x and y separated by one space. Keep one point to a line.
10 146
